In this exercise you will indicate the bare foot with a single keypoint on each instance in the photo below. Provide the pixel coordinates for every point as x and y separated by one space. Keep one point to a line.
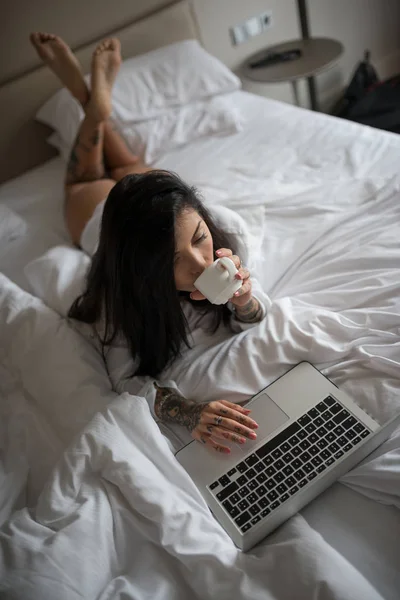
105 65
62 61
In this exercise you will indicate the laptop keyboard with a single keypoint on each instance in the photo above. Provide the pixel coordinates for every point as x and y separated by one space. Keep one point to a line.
258 485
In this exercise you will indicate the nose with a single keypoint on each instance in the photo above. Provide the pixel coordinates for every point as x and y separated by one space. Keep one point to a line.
197 264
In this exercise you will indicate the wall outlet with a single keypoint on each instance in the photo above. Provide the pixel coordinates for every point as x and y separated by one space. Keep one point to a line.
253 26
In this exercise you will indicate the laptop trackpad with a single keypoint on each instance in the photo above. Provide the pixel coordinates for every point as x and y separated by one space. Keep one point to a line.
268 415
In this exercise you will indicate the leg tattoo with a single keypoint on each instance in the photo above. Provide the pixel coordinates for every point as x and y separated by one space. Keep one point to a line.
86 161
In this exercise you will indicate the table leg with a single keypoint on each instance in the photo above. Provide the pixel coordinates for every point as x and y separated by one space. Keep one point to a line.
295 92
313 93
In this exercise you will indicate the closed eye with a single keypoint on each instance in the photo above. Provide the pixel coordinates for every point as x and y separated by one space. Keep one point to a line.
201 239
194 242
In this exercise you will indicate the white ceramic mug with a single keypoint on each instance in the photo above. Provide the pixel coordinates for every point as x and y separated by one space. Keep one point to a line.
217 283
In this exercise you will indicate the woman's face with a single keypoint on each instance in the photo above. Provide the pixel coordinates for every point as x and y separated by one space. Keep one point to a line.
193 249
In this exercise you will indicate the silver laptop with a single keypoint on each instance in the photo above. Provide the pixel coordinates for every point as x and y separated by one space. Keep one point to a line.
310 433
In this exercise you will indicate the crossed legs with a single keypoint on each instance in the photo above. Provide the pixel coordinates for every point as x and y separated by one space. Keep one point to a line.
100 156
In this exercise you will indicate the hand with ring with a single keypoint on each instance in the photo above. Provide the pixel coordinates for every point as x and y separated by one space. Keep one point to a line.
243 296
222 420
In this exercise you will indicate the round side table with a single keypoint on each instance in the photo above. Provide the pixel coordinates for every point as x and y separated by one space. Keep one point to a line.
317 55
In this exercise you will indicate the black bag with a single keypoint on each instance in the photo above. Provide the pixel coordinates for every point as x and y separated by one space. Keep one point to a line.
370 101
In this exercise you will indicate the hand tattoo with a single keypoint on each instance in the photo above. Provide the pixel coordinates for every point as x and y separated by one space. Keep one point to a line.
172 408
250 312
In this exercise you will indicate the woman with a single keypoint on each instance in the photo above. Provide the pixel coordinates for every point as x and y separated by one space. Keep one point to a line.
156 238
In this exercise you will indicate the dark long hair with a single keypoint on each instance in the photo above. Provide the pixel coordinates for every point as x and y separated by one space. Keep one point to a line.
130 287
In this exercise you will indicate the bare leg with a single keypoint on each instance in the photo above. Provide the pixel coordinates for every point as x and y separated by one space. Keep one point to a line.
116 152
85 185
61 60
105 65
85 188
59 57
119 160
81 200
86 158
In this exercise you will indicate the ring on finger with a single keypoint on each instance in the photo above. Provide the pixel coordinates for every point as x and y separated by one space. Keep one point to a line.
218 420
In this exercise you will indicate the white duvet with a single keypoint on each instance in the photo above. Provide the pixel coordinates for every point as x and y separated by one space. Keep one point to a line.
114 516
93 503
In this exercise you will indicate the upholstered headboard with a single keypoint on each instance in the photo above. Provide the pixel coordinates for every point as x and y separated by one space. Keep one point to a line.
23 140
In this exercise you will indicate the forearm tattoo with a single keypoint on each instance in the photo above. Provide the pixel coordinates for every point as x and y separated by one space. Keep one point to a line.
250 312
170 407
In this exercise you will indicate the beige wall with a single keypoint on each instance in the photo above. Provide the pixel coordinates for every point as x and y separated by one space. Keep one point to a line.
82 21
78 21
359 24
215 17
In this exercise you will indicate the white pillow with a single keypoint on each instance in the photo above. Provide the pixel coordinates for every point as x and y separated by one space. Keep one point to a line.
176 127
170 76
12 229
58 277
12 226
148 85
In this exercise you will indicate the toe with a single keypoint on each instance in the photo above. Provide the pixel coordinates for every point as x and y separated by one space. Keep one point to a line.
59 40
44 37
36 37
115 43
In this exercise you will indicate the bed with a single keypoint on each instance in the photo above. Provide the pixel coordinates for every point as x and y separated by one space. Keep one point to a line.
93 502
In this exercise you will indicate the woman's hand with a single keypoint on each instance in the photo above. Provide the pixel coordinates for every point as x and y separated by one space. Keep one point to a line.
243 295
248 309
208 423
223 420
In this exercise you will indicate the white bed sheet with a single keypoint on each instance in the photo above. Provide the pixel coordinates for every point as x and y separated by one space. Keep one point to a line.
281 153
294 176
